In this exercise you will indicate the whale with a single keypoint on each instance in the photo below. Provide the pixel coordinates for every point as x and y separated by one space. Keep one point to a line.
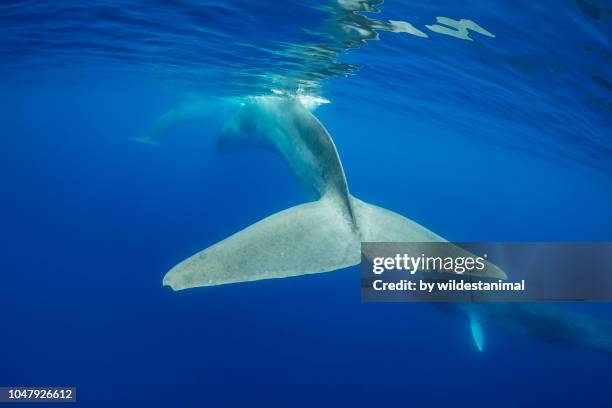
322 235
545 322
191 110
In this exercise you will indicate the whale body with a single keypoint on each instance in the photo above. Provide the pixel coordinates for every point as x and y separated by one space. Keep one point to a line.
319 236
195 109
544 322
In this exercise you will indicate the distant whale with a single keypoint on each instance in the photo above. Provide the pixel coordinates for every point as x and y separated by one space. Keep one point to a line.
319 236
545 322
168 122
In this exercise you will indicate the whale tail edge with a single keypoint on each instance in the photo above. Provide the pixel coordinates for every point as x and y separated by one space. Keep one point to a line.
310 238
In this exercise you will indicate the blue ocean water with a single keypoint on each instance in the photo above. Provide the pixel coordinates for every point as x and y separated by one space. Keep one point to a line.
501 133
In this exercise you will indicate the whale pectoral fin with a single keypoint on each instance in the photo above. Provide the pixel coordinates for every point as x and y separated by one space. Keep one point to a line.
380 225
477 334
309 238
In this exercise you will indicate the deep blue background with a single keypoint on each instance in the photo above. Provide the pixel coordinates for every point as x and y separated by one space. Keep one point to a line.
90 223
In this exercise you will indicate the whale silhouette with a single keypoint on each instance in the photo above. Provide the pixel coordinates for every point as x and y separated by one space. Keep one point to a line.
169 121
324 235
319 236
544 322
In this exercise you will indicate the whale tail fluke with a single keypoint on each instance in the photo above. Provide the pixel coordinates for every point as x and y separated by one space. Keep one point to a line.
378 224
305 239
315 237
310 238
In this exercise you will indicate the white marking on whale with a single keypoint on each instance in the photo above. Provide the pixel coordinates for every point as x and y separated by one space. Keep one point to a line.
319 236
